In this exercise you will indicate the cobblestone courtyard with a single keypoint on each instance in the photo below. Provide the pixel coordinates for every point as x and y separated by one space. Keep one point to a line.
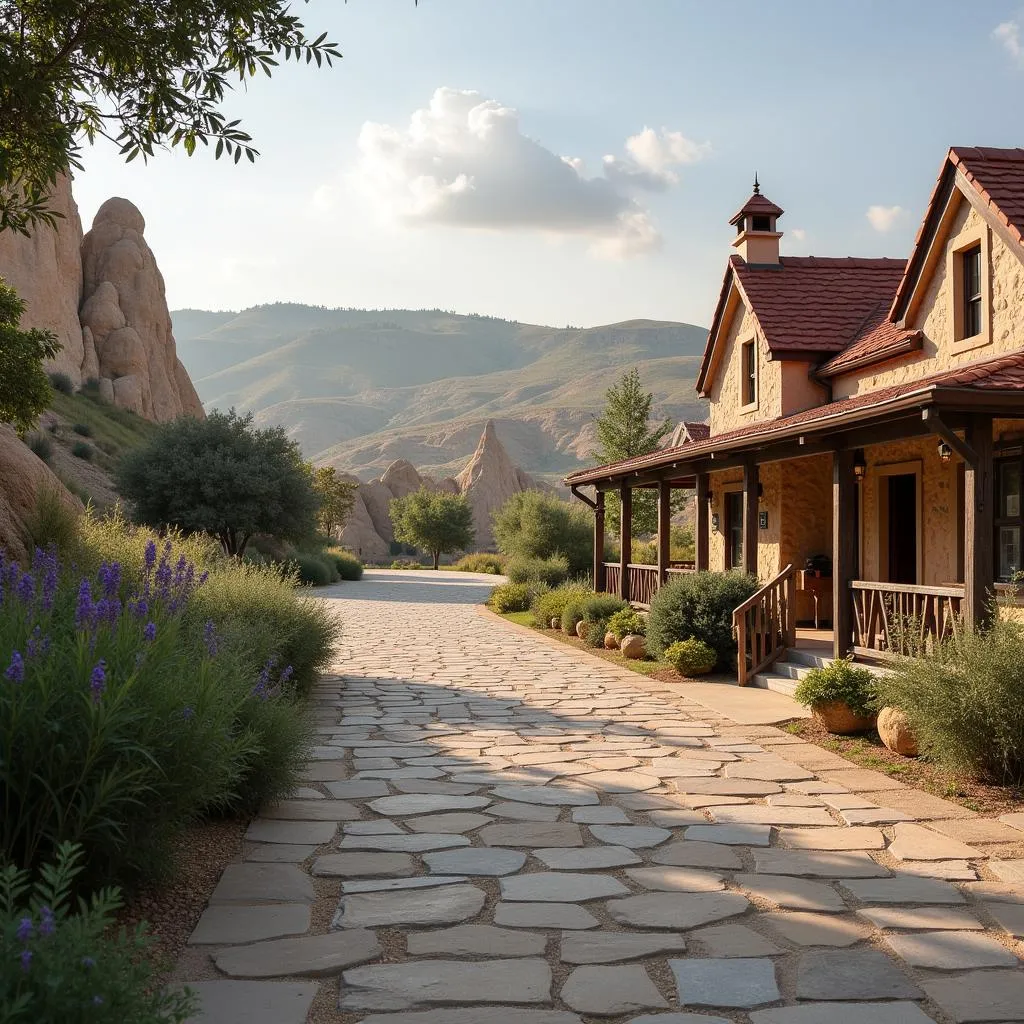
497 830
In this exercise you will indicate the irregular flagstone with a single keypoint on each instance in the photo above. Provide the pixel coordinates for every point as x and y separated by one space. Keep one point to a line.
951 950
831 838
619 782
324 771
731 835
769 770
454 822
525 812
310 955
726 982
793 893
477 1015
357 789
230 924
363 865
676 817
804 929
841 1013
676 910
1015 820
602 814
291 833
921 918
253 1002
559 887
764 814
634 836
532 834
824 864
476 940
312 810
677 1018
544 915
852 974
1008 870
613 947
395 884
690 853
587 859
904 889
447 905
425 803
475 861
669 879
377 827
874 815
609 991
279 853
263 883
734 940
403 843
953 870
979 995
432 786
1009 917
419 983
550 795
726 787
915 842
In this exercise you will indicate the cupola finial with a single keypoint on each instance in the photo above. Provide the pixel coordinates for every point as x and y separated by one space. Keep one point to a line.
757 185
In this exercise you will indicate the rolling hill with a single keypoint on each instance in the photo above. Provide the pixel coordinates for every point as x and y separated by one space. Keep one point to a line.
361 388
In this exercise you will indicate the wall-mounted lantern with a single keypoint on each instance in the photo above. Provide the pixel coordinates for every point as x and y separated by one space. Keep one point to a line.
945 452
714 521
860 466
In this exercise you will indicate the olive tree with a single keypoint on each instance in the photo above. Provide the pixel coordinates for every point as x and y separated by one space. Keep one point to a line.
436 522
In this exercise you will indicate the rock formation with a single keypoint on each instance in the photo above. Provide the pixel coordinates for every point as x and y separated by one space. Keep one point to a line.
124 312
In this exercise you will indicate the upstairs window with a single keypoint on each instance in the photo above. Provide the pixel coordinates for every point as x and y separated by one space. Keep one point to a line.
971 277
749 373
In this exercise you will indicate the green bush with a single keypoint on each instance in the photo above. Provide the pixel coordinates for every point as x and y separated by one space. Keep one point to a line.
700 605
62 382
82 450
691 657
572 611
595 634
514 597
839 681
41 446
551 604
82 429
348 565
964 702
50 521
553 571
315 570
64 963
481 561
601 607
535 525
626 622
407 563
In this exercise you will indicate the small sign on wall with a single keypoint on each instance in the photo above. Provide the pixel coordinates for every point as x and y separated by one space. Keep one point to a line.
762 520
714 521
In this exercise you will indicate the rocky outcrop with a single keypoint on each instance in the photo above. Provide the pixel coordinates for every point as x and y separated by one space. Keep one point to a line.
401 478
124 313
24 478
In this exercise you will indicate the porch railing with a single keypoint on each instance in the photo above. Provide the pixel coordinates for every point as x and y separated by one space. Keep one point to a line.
642 578
894 619
764 626
611 577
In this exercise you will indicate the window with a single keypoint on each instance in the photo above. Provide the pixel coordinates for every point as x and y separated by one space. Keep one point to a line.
734 529
739 225
1008 518
749 371
762 222
971 277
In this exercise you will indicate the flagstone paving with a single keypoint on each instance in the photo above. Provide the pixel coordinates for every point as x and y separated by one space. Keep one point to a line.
497 829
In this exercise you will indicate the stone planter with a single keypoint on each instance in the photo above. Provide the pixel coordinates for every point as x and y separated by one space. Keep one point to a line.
581 629
633 647
895 732
838 718
610 642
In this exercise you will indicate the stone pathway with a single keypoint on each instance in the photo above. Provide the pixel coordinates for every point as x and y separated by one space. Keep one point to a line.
495 829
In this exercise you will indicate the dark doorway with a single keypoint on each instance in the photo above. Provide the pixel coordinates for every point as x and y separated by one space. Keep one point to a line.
733 529
903 528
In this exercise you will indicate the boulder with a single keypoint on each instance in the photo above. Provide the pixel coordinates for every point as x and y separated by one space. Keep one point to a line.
401 478
611 642
840 719
361 536
633 647
124 315
376 496
581 629
895 732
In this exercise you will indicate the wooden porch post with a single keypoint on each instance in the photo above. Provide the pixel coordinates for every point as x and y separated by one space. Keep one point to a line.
844 549
701 537
979 554
750 518
664 529
599 573
625 539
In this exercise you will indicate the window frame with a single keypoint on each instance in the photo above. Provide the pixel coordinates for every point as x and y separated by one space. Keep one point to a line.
748 374
972 301
999 521
969 240
729 501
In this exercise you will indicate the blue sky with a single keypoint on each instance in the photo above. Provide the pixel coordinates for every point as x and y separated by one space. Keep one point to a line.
358 200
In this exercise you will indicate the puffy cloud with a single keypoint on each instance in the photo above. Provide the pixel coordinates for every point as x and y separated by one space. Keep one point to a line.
882 218
464 161
800 234
1008 33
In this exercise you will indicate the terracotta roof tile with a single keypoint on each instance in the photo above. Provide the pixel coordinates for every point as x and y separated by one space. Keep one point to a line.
757 203
997 175
880 340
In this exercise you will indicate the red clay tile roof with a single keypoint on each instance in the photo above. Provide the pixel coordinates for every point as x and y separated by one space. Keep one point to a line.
880 340
757 203
997 175
1004 373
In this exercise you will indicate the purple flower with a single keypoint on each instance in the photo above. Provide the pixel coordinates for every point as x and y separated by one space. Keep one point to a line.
110 577
15 672
97 1000
26 589
47 924
188 713
26 959
203 577
286 675
84 609
88 962
139 607
210 638
150 556
98 681
149 633
25 930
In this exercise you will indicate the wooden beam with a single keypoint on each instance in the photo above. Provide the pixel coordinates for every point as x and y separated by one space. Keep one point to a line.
979 553
942 429
844 550
701 535
625 539
599 570
664 529
750 517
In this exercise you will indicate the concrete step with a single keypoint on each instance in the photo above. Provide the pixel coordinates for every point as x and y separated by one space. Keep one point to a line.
807 658
795 670
775 681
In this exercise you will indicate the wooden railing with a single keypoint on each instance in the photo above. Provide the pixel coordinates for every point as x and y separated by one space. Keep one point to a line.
611 577
764 626
895 619
643 584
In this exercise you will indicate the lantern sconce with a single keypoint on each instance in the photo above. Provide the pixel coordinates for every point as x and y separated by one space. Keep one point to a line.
714 521
945 452
860 466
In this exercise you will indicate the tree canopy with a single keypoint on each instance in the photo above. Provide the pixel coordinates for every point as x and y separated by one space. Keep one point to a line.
24 387
535 525
143 73
221 476
337 498
436 522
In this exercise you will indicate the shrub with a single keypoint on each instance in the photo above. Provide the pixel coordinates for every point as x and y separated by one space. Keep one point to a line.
840 681
514 597
601 607
41 446
53 427
82 450
535 525
50 521
62 962
595 634
644 552
437 522
964 703
348 565
314 570
691 657
481 561
407 563
551 604
82 429
551 571
62 382
625 622
700 605
572 612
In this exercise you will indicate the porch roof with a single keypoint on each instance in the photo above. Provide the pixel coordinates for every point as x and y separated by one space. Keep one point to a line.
994 382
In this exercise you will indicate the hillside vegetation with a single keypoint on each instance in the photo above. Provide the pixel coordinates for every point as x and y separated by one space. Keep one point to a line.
360 388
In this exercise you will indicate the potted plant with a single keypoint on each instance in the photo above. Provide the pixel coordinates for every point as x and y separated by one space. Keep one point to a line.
841 697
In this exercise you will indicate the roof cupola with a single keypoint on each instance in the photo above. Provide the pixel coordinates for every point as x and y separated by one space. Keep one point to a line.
757 237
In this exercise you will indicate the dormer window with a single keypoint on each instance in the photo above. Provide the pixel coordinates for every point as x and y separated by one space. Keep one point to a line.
749 373
971 278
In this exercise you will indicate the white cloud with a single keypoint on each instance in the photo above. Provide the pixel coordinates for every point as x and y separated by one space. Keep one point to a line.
800 234
882 218
1008 33
463 161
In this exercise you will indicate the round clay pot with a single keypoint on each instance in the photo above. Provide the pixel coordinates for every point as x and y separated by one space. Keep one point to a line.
556 622
838 719
633 646
895 732
610 642
581 629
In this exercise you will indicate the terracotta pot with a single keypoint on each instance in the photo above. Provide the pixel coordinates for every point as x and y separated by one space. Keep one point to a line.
837 717
581 629
895 732
610 642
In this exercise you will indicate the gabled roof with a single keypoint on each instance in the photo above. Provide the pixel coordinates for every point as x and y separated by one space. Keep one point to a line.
880 340
688 430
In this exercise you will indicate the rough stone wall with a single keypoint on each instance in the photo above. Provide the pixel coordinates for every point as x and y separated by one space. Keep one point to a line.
806 520
726 394
770 476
